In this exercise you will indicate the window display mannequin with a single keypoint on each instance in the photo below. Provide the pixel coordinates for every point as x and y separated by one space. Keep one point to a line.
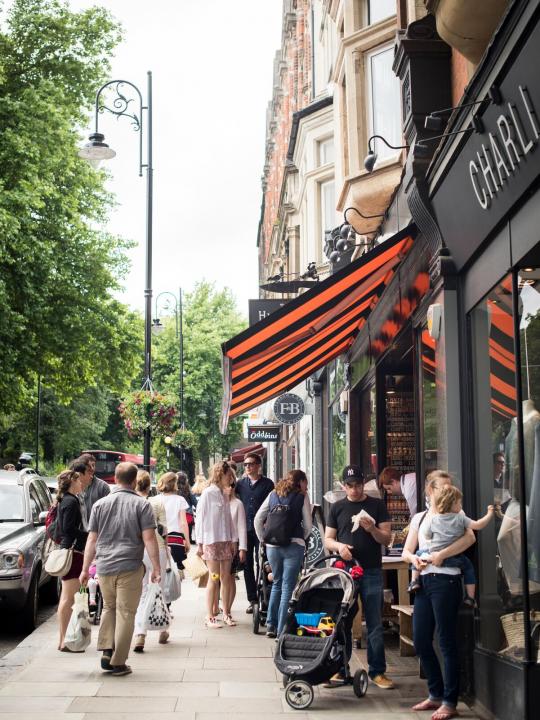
533 516
531 419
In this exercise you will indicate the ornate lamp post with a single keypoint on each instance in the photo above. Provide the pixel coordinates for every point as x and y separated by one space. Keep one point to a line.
95 151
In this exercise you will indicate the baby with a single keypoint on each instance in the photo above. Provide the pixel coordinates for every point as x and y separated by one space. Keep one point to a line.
445 527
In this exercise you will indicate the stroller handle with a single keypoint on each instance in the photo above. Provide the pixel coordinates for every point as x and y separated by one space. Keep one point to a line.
331 557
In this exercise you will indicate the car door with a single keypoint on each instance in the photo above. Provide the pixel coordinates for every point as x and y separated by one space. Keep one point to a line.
39 502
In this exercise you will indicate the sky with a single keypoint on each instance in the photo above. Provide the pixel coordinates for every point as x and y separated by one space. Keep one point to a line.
212 64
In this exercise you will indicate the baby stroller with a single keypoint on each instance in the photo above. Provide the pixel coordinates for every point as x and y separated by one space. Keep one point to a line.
264 588
311 648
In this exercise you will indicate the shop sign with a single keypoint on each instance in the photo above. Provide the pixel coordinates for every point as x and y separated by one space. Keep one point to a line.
289 408
259 309
263 433
495 168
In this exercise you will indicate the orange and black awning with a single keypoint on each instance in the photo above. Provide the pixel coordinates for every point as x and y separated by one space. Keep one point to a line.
277 353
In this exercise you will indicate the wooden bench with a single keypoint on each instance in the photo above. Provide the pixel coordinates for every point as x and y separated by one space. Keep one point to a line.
406 645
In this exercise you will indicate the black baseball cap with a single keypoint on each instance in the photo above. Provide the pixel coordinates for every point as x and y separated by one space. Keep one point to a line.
353 474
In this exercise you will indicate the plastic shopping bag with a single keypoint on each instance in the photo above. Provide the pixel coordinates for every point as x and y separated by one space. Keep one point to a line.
172 583
156 615
79 633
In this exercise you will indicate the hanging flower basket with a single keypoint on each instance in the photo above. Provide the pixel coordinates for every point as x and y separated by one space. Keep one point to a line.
146 409
183 438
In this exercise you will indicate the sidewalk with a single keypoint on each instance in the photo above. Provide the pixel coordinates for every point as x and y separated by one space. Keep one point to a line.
199 675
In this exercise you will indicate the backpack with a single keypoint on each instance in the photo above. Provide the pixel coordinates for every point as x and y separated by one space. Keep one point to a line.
52 528
279 526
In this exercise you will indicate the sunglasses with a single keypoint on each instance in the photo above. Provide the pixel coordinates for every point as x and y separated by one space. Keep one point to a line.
249 463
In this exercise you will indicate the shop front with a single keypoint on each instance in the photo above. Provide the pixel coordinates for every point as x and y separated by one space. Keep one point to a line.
494 241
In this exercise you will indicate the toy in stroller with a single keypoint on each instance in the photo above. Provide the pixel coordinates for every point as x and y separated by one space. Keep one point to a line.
95 599
264 587
310 650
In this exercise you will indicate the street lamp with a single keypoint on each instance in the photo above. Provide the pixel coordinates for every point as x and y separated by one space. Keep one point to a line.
97 150
168 440
157 329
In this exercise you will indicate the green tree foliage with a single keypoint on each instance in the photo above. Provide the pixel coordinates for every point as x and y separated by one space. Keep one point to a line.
58 266
210 318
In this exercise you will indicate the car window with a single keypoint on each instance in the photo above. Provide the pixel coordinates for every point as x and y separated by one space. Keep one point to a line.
11 503
35 505
43 494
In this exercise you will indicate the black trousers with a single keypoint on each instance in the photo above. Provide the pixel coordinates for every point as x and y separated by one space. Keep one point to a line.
252 562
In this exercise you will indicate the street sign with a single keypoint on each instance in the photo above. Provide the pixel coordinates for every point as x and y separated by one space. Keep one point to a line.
289 408
263 433
259 309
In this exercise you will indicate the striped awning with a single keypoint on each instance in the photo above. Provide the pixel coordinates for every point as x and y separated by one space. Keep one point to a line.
277 353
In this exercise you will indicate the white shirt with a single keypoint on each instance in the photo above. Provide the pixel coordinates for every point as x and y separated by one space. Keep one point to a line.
213 522
238 516
423 542
408 490
173 504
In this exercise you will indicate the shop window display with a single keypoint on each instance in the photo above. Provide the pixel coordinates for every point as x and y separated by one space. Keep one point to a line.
338 440
502 623
368 436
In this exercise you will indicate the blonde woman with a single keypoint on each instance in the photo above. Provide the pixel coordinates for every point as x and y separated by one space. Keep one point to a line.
216 538
200 484
175 509
143 489
238 516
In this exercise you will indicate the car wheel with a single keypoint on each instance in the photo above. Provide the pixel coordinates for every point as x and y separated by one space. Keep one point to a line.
51 591
29 612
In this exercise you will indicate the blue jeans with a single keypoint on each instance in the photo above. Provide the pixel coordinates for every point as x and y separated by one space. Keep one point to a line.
286 563
436 606
370 590
460 561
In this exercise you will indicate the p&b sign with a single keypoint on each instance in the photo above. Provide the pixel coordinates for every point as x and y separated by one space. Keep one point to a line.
289 408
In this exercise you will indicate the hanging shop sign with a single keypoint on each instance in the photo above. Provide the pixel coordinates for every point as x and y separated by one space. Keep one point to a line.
496 167
259 309
289 408
263 433
315 542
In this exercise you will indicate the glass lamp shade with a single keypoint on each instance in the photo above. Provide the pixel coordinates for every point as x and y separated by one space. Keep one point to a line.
96 150
157 327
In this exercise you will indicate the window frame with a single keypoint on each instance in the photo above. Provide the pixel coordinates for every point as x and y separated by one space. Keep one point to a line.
393 155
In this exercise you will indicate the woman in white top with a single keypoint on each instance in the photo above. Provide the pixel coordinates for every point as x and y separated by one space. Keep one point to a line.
143 489
175 509
238 516
436 606
216 539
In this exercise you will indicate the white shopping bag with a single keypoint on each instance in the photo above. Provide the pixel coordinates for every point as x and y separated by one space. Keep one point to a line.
156 615
79 633
172 584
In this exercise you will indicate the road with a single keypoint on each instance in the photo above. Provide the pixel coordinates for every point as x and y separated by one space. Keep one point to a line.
10 636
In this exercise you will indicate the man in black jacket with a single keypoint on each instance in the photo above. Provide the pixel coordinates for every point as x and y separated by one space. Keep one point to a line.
252 489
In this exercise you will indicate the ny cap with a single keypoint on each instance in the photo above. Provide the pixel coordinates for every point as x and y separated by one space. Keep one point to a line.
353 474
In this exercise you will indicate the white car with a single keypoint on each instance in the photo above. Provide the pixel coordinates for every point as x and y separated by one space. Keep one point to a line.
24 502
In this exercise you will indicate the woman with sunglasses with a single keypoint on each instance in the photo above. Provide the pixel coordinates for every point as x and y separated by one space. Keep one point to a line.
238 516
216 542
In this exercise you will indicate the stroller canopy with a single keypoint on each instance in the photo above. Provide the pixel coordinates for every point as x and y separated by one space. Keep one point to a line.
328 578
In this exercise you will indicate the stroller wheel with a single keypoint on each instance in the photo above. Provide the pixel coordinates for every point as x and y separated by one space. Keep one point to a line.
360 683
299 694
256 618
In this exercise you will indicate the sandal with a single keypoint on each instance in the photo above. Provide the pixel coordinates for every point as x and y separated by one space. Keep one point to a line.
426 705
228 620
444 713
212 623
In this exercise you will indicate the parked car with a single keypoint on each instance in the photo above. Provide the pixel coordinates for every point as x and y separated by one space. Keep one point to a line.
24 502
52 483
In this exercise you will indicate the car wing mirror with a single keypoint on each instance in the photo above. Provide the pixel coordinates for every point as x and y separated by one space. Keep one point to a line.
42 517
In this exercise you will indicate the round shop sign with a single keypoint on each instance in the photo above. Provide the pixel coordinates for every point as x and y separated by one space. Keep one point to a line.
289 408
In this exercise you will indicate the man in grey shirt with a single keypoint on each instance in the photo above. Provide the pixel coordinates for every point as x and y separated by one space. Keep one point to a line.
121 526
96 488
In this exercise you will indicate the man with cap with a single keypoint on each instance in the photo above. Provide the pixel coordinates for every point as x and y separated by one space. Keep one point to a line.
360 539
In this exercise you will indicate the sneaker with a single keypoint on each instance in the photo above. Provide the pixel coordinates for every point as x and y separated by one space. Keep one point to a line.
383 682
271 631
414 586
249 610
119 670
106 661
163 637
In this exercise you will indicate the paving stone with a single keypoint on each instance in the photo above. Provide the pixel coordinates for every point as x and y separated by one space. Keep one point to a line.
114 688
234 706
36 705
49 689
250 689
129 705
259 674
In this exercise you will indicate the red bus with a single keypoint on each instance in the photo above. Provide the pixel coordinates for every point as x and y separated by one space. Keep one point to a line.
107 460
